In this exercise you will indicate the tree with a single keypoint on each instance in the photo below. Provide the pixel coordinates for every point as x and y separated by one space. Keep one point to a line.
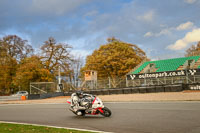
114 59
54 54
12 50
31 69
8 68
193 50
16 47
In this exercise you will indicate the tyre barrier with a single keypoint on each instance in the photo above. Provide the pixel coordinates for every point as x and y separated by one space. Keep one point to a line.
160 89
167 88
45 95
127 91
105 92
115 91
148 89
68 93
151 90
33 96
135 90
142 90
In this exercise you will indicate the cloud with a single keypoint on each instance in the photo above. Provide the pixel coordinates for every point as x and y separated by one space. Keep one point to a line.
129 20
148 16
190 1
190 37
81 52
166 31
55 7
185 26
148 34
179 45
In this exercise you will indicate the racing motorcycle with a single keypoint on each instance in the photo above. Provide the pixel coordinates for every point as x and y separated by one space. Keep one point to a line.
91 106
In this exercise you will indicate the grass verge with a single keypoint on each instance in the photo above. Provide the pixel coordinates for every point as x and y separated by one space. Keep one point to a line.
20 128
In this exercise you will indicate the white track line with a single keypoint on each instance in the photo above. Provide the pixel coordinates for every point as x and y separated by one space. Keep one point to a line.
78 129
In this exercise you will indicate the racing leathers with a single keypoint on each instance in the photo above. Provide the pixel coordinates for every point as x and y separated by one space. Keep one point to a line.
84 102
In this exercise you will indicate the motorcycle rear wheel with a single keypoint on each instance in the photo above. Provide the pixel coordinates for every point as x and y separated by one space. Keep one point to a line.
106 112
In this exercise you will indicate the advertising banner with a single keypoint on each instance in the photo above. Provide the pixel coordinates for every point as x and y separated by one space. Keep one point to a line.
164 74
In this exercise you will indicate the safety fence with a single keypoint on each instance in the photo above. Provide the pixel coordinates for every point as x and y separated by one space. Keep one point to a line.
164 81
127 90
32 96
42 87
130 90
107 83
9 98
45 95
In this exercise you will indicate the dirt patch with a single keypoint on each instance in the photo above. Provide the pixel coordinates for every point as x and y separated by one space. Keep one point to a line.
187 91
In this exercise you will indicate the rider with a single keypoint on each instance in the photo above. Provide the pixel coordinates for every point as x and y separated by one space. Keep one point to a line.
78 98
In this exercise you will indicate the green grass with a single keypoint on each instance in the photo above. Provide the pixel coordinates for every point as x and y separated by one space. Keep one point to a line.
19 128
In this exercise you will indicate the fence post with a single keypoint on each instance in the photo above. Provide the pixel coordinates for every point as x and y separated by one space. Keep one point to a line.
126 82
139 82
30 87
187 76
109 82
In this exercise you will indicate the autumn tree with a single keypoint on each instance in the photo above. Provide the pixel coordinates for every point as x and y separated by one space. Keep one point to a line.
7 71
194 50
31 69
114 59
16 47
12 50
54 54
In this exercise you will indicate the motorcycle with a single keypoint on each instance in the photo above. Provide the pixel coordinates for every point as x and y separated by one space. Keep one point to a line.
93 106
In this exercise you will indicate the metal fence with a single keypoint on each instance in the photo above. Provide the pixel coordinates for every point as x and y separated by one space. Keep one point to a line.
42 87
105 83
9 98
164 81
123 82
108 83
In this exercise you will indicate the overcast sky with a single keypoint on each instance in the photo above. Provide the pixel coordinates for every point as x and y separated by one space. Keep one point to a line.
162 28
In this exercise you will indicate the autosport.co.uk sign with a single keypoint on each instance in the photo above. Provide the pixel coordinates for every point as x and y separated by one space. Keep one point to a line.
164 74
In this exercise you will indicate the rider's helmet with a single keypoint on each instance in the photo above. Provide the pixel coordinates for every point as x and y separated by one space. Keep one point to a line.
79 94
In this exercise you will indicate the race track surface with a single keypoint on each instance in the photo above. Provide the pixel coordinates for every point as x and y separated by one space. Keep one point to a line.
136 117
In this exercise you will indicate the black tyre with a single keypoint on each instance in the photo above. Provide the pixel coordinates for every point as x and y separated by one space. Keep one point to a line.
107 112
83 113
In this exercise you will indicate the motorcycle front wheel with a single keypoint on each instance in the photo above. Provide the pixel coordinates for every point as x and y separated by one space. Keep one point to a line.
106 112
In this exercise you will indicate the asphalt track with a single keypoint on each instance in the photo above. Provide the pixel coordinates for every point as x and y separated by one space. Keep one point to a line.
135 117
